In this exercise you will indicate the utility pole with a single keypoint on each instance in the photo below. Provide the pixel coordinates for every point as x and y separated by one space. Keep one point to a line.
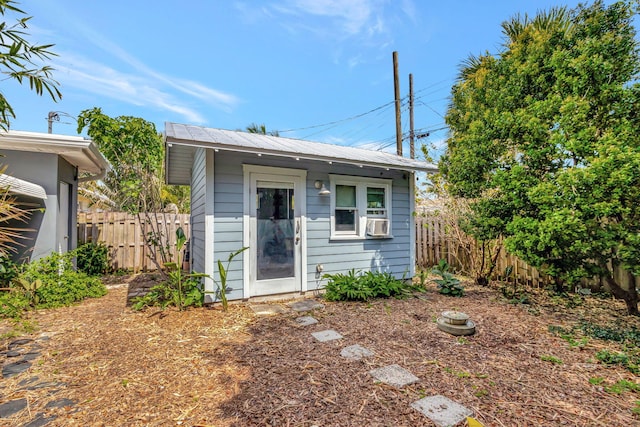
412 147
396 85
53 115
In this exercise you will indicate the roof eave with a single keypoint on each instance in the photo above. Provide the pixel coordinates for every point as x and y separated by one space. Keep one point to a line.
416 167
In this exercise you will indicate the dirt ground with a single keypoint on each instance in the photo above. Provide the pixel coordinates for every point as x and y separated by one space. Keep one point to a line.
206 367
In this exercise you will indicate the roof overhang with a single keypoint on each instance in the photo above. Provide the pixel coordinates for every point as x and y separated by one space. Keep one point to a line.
182 141
22 187
76 150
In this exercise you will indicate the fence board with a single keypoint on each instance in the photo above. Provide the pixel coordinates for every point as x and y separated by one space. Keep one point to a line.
125 238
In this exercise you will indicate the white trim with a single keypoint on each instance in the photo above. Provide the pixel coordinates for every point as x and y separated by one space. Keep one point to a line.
209 218
251 172
412 224
361 183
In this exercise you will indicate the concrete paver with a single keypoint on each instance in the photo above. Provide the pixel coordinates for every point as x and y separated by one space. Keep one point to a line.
356 352
306 320
394 375
443 411
328 335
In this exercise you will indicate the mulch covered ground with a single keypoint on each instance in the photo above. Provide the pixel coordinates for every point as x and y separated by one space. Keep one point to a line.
208 367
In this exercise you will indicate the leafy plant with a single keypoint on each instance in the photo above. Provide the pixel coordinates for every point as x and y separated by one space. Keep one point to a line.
8 271
358 286
180 289
448 283
48 282
621 386
552 359
629 361
221 292
93 259
12 305
28 289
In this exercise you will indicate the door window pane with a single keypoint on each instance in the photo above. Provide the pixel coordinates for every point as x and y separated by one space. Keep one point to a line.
275 221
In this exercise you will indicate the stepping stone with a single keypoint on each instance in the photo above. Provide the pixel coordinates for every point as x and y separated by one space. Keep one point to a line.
13 406
14 353
394 375
305 305
328 335
18 343
13 369
306 320
40 420
268 309
60 403
356 352
443 411
31 356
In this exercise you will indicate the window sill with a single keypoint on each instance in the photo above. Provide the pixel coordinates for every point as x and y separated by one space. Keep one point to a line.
339 238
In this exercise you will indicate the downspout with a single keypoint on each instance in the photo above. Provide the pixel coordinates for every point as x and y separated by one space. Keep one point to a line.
97 177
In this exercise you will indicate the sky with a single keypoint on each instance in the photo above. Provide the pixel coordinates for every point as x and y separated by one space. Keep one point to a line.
319 70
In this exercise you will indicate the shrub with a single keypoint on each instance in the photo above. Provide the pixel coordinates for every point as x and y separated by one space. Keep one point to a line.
60 284
8 271
448 284
355 286
93 259
12 305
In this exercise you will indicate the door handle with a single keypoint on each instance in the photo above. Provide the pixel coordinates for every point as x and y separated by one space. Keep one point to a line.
297 226
297 239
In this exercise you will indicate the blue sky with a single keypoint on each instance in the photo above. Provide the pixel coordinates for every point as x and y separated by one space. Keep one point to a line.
311 69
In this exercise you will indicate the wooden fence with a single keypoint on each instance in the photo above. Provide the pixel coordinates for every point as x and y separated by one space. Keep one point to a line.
125 237
436 241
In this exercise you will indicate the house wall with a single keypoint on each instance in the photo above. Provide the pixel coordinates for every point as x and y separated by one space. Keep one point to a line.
41 169
197 211
392 255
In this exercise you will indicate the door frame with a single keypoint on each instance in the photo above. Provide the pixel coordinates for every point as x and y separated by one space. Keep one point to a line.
299 177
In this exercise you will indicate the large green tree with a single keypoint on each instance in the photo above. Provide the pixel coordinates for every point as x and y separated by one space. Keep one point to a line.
545 140
21 60
135 182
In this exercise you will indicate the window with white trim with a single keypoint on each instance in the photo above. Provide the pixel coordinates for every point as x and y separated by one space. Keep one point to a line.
360 207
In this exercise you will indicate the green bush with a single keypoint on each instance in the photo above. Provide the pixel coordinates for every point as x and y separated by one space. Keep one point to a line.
60 284
12 305
188 294
355 286
93 259
448 284
8 271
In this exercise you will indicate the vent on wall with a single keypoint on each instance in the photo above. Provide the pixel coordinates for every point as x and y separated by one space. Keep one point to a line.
377 227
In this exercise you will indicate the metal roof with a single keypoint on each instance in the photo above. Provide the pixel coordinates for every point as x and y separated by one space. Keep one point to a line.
198 136
77 150
22 187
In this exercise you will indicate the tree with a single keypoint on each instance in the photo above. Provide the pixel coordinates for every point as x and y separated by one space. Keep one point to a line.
545 142
260 129
135 183
22 61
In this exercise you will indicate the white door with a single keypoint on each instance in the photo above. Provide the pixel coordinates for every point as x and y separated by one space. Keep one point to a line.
275 234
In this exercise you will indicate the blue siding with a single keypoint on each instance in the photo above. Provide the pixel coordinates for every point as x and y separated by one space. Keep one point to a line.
198 183
391 255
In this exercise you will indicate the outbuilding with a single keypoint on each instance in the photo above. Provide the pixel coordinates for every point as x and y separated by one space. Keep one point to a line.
42 172
302 208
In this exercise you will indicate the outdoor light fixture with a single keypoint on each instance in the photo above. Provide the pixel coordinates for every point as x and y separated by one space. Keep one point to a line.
324 191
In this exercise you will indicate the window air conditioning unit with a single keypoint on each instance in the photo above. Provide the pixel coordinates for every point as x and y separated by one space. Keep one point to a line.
377 227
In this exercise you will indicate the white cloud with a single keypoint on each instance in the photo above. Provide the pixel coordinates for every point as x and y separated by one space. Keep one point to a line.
93 77
136 83
368 22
